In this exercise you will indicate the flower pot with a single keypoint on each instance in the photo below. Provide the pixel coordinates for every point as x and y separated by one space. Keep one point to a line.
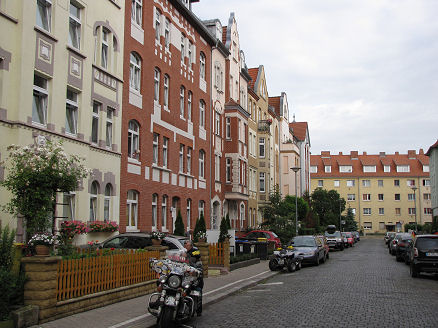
156 242
202 240
42 250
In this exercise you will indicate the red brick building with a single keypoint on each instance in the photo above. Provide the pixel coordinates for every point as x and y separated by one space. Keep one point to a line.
165 166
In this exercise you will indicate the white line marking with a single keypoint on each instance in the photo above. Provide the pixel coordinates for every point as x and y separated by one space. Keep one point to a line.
272 283
232 283
121 324
259 290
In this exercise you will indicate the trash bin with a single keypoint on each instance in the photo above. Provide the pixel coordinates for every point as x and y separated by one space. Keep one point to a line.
262 250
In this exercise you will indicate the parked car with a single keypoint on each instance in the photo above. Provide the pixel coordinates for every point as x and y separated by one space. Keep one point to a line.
356 236
424 255
348 239
393 242
326 246
390 236
402 246
256 234
310 248
335 240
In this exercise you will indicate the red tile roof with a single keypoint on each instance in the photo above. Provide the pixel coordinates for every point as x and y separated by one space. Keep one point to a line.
435 145
300 130
344 160
224 34
275 102
253 73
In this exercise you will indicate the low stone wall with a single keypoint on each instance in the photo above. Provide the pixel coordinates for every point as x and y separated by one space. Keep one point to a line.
243 264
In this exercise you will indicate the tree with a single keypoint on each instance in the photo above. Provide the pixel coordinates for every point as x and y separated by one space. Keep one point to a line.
350 222
179 225
223 234
35 174
327 205
227 218
200 228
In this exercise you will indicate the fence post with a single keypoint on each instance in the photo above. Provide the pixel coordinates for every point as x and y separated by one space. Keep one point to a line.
161 249
205 254
226 244
41 285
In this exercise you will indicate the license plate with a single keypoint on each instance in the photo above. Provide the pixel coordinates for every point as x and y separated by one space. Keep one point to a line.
170 300
431 254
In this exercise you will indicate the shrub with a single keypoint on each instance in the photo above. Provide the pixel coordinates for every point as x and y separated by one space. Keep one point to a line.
242 257
42 238
199 227
179 225
223 231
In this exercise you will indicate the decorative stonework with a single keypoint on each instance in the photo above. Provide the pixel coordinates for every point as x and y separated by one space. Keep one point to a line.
5 59
44 53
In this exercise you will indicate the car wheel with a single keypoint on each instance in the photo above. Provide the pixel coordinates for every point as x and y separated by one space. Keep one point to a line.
298 266
291 266
414 271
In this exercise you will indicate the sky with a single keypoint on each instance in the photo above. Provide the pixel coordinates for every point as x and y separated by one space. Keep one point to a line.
362 73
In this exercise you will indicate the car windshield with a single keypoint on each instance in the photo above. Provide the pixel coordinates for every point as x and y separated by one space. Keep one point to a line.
335 234
274 234
427 243
303 242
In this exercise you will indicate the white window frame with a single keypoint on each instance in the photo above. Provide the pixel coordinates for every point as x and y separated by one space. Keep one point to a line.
132 209
217 123
107 202
202 59
369 168
95 122
336 183
262 182
367 225
189 213
426 182
181 158
242 214
154 210
155 142
320 183
327 168
381 197
69 209
74 28
133 139
157 25
201 164
228 170
217 168
403 168
262 147
345 169
228 128
367 211
71 113
109 127
44 14
164 212
380 183
386 168
411 211
182 91
351 197
410 182
202 114
366 183
166 84
313 169
426 168
156 84
189 105
189 160
136 12
190 54
366 197
93 201
167 33
40 101
165 151
411 197
105 48
201 208
183 49
350 183
134 72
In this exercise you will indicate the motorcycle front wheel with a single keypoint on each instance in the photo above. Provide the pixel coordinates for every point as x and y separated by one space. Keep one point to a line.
273 265
165 319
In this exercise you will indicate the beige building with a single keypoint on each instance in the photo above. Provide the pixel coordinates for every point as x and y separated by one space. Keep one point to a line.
433 158
385 191
61 66
253 175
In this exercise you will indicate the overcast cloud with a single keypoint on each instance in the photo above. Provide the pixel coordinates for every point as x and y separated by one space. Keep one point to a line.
362 73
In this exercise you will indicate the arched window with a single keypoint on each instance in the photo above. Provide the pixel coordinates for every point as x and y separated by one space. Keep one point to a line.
94 190
202 113
134 72
201 208
202 66
107 202
242 214
201 164
154 210
132 209
133 140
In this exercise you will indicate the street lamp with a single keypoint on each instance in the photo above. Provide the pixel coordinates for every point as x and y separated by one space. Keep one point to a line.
414 188
296 169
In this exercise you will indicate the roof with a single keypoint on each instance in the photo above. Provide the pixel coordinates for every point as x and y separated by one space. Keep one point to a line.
300 130
275 103
335 160
435 145
224 34
253 73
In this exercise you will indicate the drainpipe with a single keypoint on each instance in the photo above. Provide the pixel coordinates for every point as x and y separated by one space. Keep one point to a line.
358 198
419 199
211 134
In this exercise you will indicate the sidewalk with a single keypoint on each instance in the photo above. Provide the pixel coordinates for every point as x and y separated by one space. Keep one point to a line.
133 313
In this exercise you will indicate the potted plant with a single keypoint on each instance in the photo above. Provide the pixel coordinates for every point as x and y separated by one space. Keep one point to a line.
42 241
157 236
201 236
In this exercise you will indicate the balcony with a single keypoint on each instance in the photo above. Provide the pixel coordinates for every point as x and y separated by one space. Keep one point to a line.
264 126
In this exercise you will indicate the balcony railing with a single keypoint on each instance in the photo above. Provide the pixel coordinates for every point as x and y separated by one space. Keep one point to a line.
264 126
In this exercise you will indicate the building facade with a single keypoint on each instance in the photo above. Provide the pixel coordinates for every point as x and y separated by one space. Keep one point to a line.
384 191
433 166
300 131
61 65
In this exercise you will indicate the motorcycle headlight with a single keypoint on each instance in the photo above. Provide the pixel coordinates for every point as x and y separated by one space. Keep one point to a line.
162 279
186 284
174 281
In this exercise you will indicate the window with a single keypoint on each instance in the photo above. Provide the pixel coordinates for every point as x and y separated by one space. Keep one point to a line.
410 183
155 149
397 211
201 208
134 72
313 169
182 48
156 85
131 209
262 147
44 14
345 168
381 211
165 151
107 202
69 208
381 225
426 182
202 66
380 197
336 183
366 197
189 160
242 214
396 196
201 164
411 210
181 158
95 122
426 168
40 97
320 183
217 167
190 53
104 49
202 114
403 168
327 168
189 213
262 181
367 211
154 210
133 137
189 106
74 35
93 200
426 196
411 197
181 101
71 112
351 197
369 168
396 183
228 127
380 183
166 91
164 212
427 211
167 34
366 183
217 123
386 168
109 127
228 170
136 11
350 183
157 25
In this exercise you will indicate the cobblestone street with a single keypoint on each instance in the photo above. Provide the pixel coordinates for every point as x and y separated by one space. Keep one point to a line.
362 286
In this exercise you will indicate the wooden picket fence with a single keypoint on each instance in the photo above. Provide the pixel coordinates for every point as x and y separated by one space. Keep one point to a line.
216 254
79 277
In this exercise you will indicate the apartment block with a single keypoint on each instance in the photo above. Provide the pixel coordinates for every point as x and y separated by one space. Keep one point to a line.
300 131
385 191
61 65
433 163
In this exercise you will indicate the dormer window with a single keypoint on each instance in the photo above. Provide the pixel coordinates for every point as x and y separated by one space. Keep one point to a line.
314 169
426 168
328 169
369 168
386 168
403 168
345 168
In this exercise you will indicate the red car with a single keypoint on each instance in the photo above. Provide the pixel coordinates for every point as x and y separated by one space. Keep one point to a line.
269 235
348 239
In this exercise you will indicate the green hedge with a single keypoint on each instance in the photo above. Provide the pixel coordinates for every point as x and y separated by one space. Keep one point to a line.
243 257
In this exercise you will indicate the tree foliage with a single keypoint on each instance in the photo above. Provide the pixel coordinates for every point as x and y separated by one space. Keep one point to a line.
327 205
223 234
350 222
200 227
179 225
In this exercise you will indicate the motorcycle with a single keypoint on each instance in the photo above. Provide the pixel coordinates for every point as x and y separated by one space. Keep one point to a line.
285 257
177 297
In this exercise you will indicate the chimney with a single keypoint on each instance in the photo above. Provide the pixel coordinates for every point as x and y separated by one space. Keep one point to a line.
354 154
325 154
421 152
340 153
364 153
396 153
411 154
382 154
